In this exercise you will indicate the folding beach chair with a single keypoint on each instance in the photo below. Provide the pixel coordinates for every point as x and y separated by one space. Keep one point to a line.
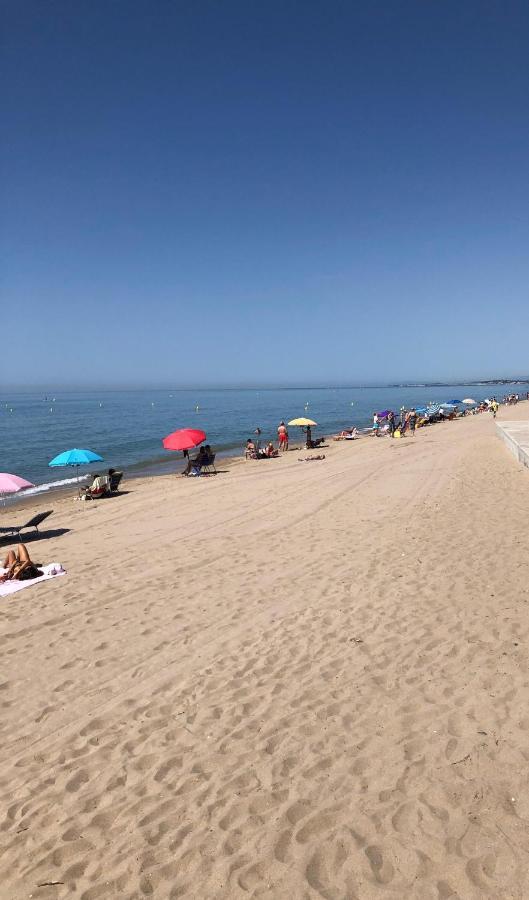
115 479
33 523
208 467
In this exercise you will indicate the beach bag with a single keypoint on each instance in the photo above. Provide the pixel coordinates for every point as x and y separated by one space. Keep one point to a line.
397 433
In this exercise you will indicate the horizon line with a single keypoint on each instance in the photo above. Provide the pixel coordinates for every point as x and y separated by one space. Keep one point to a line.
520 379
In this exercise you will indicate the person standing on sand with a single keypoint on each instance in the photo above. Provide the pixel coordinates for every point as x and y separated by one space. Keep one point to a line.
282 435
412 421
391 423
376 424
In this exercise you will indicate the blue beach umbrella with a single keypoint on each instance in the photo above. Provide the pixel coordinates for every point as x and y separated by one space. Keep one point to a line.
452 403
75 458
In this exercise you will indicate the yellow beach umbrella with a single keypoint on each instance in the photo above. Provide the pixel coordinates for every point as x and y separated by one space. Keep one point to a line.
302 422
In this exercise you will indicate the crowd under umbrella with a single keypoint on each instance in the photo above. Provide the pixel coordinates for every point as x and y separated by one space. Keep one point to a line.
184 439
433 409
75 458
12 484
302 422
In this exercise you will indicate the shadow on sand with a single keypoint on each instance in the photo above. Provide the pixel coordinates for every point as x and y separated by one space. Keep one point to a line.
32 537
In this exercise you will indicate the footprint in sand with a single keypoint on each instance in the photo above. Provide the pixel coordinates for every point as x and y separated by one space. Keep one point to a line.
382 868
80 778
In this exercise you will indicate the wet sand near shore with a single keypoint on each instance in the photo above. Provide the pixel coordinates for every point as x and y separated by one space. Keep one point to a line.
296 680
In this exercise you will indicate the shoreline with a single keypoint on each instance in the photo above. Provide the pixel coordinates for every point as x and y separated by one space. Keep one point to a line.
69 491
140 471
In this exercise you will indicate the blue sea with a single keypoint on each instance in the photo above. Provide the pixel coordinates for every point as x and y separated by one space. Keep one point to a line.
126 427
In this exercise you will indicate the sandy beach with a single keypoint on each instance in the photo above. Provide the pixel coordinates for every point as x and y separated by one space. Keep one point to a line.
291 680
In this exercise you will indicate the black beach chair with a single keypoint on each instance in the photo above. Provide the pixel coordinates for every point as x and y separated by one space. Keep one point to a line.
208 467
205 467
33 523
115 479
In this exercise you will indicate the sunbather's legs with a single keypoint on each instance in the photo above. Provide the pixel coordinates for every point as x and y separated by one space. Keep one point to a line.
10 559
23 555
19 555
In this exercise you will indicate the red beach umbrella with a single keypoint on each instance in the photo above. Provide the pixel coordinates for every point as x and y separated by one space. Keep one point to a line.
184 439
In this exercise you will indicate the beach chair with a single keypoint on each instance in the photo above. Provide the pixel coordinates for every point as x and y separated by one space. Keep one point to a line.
208 467
115 479
33 523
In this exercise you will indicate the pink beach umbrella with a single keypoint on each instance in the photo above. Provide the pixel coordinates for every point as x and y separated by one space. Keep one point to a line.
12 484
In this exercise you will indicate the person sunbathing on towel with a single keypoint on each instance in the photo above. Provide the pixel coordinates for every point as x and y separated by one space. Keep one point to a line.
19 566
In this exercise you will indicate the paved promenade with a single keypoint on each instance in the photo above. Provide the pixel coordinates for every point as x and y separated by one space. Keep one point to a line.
516 436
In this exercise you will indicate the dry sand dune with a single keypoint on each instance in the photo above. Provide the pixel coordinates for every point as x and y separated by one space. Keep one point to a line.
289 681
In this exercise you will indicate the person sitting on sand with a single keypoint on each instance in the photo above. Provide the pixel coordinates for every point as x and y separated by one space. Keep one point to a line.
250 451
270 450
19 566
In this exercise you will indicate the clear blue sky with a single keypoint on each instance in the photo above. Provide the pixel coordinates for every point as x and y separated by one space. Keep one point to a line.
217 193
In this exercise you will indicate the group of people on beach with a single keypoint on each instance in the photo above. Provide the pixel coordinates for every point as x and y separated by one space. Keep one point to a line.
253 449
396 427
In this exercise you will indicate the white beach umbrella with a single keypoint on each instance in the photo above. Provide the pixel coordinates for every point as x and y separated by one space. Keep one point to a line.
469 401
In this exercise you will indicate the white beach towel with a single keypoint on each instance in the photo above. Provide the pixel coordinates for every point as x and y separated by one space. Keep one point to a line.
52 570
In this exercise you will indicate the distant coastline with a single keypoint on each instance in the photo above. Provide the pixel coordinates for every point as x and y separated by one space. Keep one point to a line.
492 382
